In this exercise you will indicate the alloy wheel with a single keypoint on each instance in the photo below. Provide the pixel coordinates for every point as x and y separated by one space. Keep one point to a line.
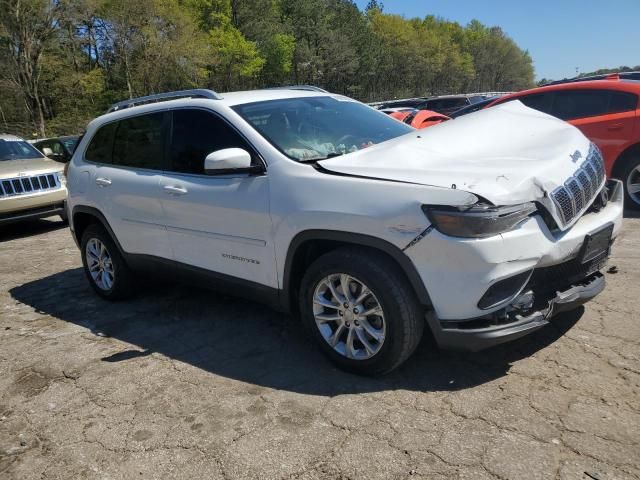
99 264
633 184
349 316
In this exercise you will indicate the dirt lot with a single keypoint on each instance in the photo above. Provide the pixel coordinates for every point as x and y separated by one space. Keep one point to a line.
184 383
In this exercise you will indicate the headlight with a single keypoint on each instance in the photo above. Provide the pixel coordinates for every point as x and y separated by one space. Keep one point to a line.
61 178
478 221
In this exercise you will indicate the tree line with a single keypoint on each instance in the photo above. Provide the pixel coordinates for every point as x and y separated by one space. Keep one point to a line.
63 62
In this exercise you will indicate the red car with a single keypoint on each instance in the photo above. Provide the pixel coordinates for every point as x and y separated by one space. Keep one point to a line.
607 112
419 118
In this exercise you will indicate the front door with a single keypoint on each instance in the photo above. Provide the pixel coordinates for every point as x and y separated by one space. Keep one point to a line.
219 223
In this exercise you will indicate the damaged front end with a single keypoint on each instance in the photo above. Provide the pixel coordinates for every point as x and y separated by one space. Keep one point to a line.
546 292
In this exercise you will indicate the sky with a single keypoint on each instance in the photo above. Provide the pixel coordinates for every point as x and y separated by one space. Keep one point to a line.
560 35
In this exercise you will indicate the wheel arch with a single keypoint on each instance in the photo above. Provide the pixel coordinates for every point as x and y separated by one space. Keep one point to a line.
308 245
620 162
83 216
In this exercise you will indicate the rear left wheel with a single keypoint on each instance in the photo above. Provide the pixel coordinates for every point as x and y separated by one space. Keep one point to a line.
104 267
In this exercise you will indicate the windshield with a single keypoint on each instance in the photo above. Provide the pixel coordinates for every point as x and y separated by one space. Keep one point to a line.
17 150
315 128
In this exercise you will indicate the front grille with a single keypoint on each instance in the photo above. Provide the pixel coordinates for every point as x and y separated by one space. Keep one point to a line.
11 187
579 191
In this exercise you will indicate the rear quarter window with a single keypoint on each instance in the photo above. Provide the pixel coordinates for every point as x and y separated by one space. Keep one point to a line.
101 146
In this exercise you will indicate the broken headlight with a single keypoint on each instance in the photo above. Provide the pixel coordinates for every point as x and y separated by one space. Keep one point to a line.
478 221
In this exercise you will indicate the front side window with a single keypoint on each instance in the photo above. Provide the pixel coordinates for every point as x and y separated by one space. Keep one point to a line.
56 148
572 104
315 128
139 142
195 134
17 150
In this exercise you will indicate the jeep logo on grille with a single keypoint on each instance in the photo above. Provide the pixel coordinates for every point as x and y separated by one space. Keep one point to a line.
575 156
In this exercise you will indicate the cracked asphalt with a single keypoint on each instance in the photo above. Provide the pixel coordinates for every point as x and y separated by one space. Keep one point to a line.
186 383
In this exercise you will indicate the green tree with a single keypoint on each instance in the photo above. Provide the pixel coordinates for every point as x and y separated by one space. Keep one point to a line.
26 26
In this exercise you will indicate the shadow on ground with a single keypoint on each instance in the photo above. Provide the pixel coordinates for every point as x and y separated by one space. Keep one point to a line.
28 228
248 342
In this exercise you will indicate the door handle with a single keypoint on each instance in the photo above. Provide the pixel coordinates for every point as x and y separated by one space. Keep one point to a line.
615 127
173 190
103 182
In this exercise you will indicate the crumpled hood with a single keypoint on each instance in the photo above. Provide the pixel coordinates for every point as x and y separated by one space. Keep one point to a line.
28 166
507 154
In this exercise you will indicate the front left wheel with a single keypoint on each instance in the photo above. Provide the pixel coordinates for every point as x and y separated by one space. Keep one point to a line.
361 310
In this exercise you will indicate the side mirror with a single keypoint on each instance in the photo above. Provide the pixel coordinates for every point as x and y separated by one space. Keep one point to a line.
230 160
47 152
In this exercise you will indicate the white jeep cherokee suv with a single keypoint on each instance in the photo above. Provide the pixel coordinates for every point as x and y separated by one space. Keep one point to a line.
480 229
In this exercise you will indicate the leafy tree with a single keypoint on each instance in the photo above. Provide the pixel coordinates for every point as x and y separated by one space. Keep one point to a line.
63 62
25 28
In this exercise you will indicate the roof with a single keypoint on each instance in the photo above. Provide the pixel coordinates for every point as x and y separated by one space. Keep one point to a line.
251 96
467 95
619 85
202 98
8 136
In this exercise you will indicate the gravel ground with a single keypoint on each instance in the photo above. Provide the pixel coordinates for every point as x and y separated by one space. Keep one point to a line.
185 383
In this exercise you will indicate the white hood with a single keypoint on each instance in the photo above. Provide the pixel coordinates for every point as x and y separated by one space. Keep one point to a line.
507 154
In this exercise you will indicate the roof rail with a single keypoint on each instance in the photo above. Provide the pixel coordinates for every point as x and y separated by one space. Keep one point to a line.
309 88
162 97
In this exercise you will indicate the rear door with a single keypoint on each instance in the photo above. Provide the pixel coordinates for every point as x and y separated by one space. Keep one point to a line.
129 159
606 117
219 223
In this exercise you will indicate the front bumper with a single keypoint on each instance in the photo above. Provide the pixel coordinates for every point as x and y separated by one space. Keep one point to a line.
58 208
457 272
474 335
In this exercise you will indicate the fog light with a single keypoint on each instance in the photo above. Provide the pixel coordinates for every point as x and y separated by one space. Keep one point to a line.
524 301
503 290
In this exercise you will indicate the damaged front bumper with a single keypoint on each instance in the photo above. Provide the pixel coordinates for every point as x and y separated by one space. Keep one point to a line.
471 278
508 325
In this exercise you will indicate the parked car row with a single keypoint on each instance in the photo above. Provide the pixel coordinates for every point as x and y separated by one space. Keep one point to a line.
31 185
443 104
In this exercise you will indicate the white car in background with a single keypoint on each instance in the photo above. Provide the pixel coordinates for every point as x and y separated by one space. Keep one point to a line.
479 230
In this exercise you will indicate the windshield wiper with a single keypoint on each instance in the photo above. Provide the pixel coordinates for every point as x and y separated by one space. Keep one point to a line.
317 159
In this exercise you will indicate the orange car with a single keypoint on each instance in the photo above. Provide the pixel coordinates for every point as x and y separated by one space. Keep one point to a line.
419 118
607 112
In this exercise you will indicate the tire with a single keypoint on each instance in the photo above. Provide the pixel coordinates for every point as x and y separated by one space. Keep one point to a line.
400 324
122 284
630 175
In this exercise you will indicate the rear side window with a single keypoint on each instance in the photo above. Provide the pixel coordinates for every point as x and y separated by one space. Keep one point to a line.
139 142
446 103
571 104
196 134
538 101
101 145
622 102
